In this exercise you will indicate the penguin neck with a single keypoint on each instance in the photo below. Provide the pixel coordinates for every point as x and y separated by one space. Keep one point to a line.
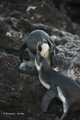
45 72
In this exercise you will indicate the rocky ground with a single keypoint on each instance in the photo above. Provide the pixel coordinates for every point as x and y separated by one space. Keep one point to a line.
21 92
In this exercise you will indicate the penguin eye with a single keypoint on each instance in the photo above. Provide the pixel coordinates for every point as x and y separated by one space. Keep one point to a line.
39 48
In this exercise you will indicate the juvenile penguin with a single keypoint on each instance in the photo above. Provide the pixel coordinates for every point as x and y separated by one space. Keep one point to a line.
58 85
47 47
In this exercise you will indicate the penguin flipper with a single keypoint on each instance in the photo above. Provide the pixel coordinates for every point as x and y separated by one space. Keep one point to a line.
48 96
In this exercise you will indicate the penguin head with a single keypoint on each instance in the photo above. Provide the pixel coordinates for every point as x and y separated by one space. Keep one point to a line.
41 62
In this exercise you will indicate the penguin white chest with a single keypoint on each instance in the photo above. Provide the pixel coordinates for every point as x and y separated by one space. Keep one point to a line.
46 52
62 98
60 94
46 85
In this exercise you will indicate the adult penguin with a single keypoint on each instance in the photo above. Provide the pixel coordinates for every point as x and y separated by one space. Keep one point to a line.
57 85
47 48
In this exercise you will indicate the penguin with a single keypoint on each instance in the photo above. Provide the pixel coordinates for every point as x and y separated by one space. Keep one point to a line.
57 85
47 48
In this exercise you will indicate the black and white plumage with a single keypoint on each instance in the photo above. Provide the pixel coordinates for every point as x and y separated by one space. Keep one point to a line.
57 85
47 48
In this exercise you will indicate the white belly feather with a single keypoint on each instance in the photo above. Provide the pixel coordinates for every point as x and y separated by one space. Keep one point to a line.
60 94
62 98
46 85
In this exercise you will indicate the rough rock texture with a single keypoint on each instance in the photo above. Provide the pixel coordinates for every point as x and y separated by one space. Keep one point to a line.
70 7
68 53
21 92
39 12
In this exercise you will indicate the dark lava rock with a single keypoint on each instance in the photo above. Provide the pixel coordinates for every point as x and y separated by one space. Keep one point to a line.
69 7
41 11
68 53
